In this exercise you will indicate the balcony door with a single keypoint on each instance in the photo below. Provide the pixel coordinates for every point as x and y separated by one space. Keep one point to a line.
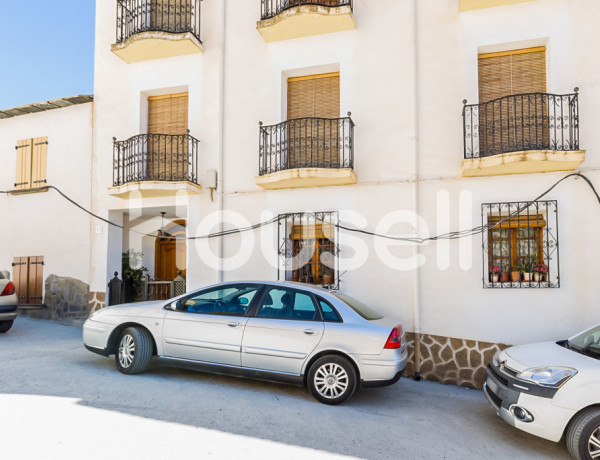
313 127
167 137
519 122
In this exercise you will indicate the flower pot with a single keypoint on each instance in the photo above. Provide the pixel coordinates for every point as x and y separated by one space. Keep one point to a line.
526 276
515 276
537 277
505 277
495 277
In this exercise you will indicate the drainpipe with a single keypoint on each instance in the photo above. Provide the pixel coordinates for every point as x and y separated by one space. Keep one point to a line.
221 118
415 192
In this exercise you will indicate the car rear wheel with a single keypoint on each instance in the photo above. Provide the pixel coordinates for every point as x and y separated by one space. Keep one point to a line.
583 435
134 351
332 379
5 325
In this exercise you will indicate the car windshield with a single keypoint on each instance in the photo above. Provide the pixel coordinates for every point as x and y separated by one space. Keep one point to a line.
363 310
588 342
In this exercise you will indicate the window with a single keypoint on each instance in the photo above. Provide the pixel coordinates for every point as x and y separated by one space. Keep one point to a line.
521 244
31 163
29 280
363 310
329 313
167 136
309 251
285 303
224 300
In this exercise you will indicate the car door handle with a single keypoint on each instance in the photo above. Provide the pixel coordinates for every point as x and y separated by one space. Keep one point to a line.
309 331
234 324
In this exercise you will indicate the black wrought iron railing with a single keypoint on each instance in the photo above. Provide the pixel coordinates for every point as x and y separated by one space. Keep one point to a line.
271 8
174 16
532 121
155 157
306 143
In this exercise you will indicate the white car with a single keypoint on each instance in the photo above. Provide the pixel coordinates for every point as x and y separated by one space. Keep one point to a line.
285 332
8 303
551 389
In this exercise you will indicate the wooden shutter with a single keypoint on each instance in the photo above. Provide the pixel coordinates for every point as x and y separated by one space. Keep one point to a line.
38 162
23 176
35 281
20 276
512 72
168 114
314 96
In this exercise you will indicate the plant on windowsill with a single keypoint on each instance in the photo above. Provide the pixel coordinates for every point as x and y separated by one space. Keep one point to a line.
515 275
540 272
494 273
505 273
527 267
326 276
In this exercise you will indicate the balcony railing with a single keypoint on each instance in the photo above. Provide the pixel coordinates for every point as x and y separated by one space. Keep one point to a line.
173 16
533 121
271 8
306 143
155 157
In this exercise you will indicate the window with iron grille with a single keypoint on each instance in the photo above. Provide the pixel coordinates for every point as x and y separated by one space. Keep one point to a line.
520 245
309 250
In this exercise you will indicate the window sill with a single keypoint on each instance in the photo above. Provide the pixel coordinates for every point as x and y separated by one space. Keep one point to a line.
27 191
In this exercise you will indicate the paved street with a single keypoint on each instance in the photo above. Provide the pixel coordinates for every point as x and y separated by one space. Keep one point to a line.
59 401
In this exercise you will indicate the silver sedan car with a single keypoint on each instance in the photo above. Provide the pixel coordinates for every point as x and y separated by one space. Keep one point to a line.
284 332
8 303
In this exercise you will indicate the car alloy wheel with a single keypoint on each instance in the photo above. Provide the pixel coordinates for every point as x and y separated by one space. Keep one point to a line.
332 379
583 435
594 443
134 351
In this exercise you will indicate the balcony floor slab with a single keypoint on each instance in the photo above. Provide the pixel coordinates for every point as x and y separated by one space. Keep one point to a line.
146 46
153 189
306 177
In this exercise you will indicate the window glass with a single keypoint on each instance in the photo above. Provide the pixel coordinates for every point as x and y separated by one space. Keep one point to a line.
363 310
224 300
287 304
329 313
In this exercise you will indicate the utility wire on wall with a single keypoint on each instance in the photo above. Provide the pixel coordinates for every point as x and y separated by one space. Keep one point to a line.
416 240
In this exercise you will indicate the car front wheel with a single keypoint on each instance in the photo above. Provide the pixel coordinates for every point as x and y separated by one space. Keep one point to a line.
332 379
5 326
583 435
134 350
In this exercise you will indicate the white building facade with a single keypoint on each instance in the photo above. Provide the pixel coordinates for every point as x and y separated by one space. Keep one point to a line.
318 119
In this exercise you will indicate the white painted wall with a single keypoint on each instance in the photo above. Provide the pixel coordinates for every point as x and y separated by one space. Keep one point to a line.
45 224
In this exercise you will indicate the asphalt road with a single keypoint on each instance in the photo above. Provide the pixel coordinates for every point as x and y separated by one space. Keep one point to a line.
59 401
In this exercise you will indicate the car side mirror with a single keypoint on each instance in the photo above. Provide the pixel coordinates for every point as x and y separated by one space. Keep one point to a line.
243 301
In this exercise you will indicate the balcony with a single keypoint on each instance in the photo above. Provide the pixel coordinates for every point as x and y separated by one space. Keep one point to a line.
286 19
522 134
156 29
306 152
155 165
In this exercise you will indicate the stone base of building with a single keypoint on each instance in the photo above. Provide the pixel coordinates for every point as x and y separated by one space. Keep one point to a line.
452 360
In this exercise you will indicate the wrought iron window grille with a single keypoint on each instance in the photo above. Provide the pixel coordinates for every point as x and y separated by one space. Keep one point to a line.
309 248
172 16
521 122
520 245
271 8
306 143
155 157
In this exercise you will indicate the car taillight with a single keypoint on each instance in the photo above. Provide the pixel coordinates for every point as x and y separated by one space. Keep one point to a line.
395 338
9 289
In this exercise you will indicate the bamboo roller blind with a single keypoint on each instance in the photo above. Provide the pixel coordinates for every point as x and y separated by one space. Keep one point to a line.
314 96
168 114
512 72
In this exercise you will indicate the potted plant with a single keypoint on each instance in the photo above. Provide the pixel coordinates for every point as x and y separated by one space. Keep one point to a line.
326 276
494 273
515 275
505 272
527 267
539 272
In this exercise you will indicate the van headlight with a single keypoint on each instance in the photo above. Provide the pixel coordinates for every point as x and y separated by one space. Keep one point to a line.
552 377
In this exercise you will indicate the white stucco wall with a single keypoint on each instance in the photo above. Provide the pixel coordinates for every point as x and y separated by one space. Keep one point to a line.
45 224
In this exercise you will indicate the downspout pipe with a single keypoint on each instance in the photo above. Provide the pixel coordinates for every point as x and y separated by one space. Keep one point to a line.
221 118
415 191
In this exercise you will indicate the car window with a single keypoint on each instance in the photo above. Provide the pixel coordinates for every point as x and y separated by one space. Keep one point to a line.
224 300
588 341
363 310
285 303
329 313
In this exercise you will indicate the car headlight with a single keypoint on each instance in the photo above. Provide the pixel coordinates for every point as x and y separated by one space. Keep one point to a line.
496 359
552 377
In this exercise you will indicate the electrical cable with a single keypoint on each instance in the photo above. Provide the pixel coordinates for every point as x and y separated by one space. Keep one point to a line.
416 240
